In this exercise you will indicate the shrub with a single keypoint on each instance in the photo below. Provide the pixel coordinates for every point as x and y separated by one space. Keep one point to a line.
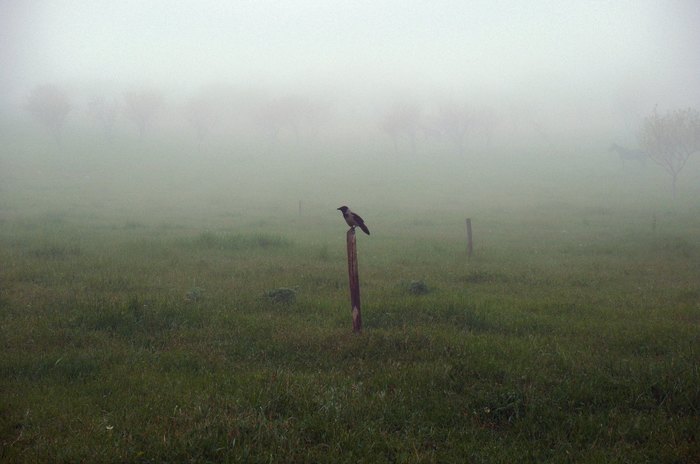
285 296
418 287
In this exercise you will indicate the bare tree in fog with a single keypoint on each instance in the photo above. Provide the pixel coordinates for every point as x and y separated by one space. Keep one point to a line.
104 112
142 106
670 139
430 128
290 112
403 120
314 116
203 112
454 121
50 106
486 120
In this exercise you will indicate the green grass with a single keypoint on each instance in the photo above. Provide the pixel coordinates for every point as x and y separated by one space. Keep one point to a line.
147 333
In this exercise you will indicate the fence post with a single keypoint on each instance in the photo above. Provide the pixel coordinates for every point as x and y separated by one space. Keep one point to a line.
470 247
354 282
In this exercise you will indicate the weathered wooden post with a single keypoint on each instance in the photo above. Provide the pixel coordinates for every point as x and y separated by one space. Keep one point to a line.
354 282
470 247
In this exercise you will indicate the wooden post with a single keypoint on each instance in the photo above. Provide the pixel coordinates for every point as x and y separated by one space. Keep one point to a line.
354 282
470 247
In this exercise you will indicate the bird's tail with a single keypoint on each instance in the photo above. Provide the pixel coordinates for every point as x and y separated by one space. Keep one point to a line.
364 228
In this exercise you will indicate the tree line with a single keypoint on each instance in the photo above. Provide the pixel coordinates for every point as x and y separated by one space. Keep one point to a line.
668 139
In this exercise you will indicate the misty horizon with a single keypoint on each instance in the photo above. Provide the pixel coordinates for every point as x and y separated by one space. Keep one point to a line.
488 98
493 50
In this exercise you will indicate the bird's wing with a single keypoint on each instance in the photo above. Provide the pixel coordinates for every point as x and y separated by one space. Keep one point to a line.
360 223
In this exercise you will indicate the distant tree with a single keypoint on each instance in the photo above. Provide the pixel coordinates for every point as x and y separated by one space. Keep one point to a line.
430 128
203 112
486 120
50 106
454 121
142 106
104 112
403 120
670 139
290 112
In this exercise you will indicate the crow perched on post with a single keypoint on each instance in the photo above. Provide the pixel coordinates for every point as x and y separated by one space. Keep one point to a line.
353 219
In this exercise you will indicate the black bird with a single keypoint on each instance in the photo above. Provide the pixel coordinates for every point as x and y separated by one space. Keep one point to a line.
353 219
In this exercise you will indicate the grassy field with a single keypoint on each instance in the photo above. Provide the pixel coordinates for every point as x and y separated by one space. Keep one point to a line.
138 325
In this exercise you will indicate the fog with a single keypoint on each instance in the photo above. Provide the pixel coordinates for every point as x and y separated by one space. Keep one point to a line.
376 89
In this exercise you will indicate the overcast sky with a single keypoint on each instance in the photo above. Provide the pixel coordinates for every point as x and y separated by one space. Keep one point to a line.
490 45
